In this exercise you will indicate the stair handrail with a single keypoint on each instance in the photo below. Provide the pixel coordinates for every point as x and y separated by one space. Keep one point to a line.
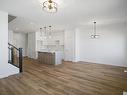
13 46
20 56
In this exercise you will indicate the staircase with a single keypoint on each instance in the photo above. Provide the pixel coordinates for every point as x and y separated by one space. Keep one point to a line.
15 62
11 18
15 56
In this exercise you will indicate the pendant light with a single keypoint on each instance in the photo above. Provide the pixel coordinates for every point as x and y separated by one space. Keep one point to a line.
41 32
95 36
50 32
45 33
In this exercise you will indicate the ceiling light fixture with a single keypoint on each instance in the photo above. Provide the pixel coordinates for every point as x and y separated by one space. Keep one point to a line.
50 32
41 32
50 6
95 36
45 33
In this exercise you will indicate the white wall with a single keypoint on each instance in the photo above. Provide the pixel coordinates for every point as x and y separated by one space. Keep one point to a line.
110 48
69 45
3 38
5 68
10 37
20 41
32 45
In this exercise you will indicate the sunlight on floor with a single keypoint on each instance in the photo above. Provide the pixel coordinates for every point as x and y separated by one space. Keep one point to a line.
124 93
125 71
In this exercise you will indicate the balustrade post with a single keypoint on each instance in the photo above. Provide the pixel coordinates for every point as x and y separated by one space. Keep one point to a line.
20 59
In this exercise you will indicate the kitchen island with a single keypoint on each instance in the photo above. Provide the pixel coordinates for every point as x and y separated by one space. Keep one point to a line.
50 57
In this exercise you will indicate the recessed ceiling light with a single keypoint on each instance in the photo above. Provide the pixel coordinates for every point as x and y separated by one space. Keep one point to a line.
31 23
16 28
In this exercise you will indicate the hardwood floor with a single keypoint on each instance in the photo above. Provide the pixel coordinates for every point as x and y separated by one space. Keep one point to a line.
66 79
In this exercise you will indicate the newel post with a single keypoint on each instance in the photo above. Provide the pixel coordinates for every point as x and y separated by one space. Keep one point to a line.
20 59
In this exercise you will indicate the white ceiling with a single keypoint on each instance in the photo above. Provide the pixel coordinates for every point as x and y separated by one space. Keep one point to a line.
70 13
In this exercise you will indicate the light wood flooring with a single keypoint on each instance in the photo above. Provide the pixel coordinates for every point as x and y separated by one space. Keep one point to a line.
66 79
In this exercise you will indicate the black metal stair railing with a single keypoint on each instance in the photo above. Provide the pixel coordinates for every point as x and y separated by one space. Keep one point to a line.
15 56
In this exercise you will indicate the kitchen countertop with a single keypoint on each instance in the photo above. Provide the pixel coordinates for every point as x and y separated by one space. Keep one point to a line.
50 51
